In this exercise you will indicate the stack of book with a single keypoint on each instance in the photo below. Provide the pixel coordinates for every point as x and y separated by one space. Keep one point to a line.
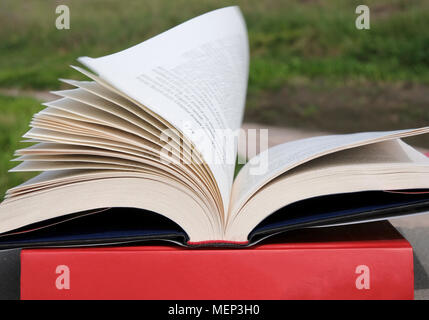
143 152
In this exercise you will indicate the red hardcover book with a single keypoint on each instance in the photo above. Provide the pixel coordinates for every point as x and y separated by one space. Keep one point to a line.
366 261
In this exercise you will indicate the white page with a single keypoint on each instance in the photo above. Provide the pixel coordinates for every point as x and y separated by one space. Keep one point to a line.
194 76
286 156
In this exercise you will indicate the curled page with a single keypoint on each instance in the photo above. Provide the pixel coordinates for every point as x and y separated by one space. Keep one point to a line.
195 77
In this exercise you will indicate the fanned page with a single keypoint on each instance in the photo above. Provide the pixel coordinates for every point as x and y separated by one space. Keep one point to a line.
195 77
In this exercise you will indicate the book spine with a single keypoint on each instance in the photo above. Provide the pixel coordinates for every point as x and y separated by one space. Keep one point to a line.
10 268
295 273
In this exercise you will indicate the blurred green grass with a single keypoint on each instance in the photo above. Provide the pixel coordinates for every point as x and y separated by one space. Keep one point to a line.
16 113
288 39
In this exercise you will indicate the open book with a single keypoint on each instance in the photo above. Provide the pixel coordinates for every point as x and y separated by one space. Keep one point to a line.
134 154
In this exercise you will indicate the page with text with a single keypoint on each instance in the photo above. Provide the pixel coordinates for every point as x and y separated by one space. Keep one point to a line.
195 77
286 156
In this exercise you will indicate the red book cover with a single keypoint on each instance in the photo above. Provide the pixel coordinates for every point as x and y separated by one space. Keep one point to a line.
366 261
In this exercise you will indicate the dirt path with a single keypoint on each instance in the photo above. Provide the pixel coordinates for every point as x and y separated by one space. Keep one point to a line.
276 135
36 94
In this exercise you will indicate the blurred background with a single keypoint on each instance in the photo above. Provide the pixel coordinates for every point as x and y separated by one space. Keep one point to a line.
311 70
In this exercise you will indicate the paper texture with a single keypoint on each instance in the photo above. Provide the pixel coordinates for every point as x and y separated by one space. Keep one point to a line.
288 155
194 76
